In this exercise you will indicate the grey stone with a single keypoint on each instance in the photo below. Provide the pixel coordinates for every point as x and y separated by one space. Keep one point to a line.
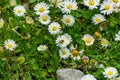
69 74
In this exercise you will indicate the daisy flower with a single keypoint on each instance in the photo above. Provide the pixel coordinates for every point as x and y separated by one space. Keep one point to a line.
116 2
98 35
116 9
107 7
110 72
68 5
44 19
89 40
54 28
88 77
1 23
19 10
10 44
29 20
68 37
75 54
12 2
42 48
64 53
85 59
91 3
104 42
56 3
62 41
68 20
101 65
41 8
117 36
98 18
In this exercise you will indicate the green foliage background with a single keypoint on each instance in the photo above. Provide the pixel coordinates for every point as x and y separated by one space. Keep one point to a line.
34 65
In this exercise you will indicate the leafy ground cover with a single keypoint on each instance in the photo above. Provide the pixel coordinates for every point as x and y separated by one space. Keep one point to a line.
37 37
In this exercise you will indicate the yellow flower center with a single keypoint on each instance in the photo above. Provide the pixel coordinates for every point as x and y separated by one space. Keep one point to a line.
91 2
98 19
110 73
67 20
55 2
104 42
115 1
54 28
64 52
42 47
107 7
41 9
18 59
29 20
88 40
19 11
97 34
75 53
10 45
61 41
44 18
1 23
69 6
12 3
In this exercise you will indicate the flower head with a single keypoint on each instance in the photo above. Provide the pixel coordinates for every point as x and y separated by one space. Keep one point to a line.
12 2
56 3
104 42
117 36
19 10
91 3
85 59
116 2
68 5
63 40
54 28
10 44
68 20
41 8
110 72
89 40
98 18
42 48
75 54
44 19
29 20
64 53
107 7
1 23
